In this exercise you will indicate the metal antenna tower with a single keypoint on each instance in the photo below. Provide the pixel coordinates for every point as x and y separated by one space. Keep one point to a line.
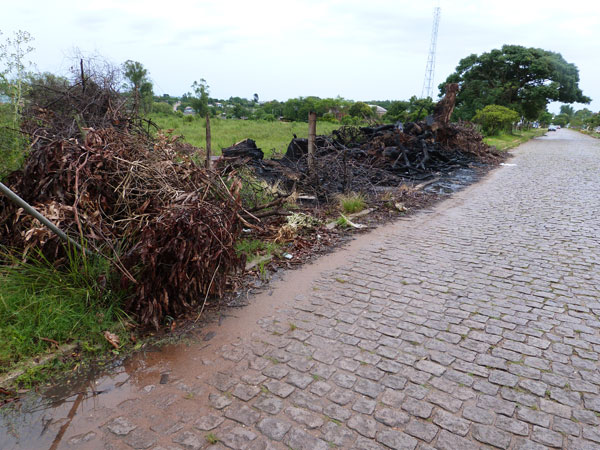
429 70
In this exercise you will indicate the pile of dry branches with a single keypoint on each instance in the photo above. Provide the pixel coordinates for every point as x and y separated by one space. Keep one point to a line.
168 225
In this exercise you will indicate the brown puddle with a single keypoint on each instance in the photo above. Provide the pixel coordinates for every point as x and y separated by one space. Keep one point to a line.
69 412
41 421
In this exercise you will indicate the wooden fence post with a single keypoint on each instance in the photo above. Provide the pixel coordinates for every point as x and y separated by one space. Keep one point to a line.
312 131
208 143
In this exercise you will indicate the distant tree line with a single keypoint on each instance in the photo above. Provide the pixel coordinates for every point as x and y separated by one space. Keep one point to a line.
336 110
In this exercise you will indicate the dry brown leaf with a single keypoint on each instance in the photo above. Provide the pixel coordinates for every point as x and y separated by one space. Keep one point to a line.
112 339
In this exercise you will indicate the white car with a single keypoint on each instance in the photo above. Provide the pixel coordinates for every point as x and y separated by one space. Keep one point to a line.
552 128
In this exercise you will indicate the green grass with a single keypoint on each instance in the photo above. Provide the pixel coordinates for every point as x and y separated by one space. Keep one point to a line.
352 203
506 141
590 133
211 438
342 222
254 247
257 250
70 305
269 136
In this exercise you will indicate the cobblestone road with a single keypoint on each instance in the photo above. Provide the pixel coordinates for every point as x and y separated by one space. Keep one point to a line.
470 326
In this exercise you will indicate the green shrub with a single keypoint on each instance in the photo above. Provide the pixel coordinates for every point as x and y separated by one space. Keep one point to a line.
162 108
349 120
495 118
328 117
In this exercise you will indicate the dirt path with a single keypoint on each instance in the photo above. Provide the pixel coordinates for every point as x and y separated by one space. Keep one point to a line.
470 325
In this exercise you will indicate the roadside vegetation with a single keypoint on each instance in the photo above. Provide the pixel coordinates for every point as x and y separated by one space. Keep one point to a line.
592 133
506 140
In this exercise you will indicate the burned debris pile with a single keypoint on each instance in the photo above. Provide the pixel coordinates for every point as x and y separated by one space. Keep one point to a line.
371 159
168 225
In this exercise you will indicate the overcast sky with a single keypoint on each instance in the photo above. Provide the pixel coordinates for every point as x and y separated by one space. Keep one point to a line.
357 49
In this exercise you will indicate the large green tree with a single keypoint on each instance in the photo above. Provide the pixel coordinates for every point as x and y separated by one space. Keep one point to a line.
519 78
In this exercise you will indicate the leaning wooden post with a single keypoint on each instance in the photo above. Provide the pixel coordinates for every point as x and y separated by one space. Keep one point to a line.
312 131
208 150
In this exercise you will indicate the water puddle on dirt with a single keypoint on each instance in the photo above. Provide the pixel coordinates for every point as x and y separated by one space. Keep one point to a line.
43 420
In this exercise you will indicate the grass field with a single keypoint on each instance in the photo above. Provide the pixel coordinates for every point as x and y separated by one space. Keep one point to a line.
506 141
269 136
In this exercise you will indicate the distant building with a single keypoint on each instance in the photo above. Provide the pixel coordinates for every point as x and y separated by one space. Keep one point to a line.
378 110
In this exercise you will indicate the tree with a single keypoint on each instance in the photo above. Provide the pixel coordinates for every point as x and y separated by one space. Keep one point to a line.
593 121
200 100
13 65
520 78
240 111
13 87
397 111
496 118
545 118
567 110
561 119
273 108
419 108
140 85
361 110
581 117
255 98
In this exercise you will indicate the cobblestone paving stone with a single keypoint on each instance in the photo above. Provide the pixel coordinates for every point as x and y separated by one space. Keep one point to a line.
471 326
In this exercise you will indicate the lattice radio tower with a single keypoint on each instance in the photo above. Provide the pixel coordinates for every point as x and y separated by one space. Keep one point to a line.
430 69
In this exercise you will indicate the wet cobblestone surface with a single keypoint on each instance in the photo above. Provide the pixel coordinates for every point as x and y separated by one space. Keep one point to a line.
473 326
